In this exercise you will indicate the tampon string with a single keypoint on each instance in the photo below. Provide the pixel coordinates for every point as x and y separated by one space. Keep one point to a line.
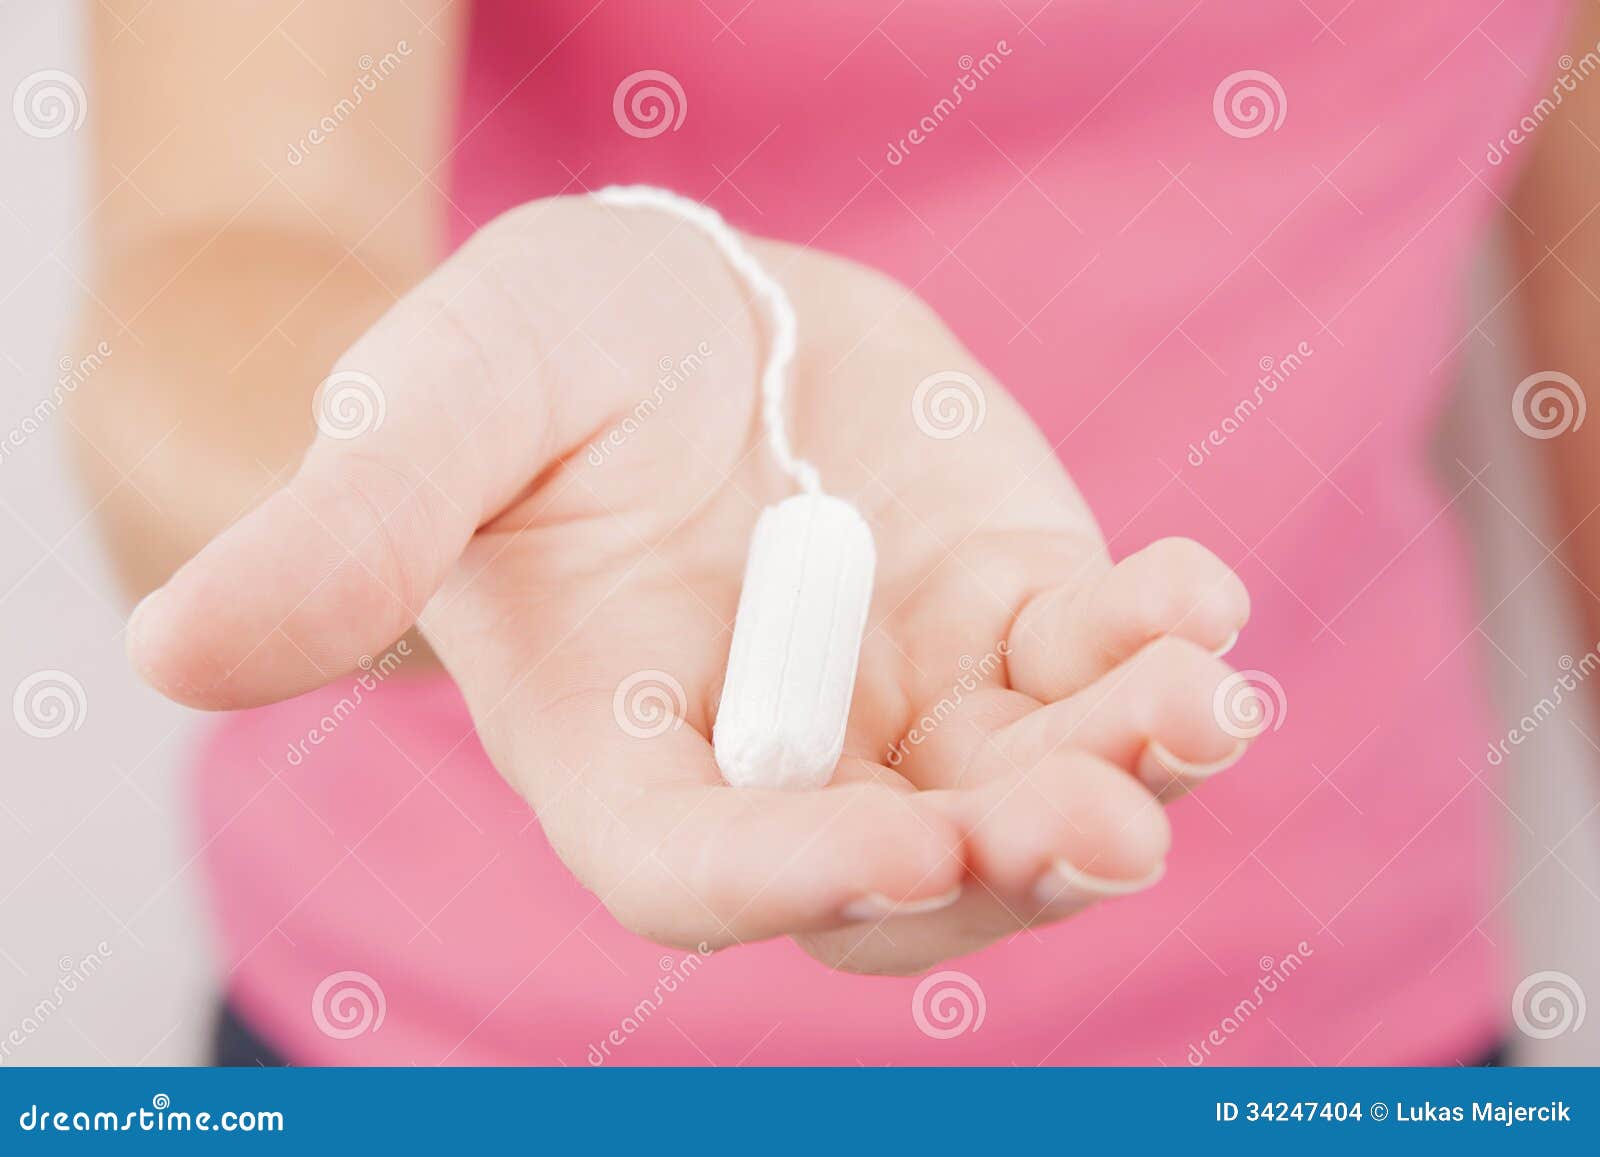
808 580
785 327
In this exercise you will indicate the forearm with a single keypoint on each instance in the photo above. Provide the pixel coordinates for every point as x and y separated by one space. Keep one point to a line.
217 343
227 276
1555 236
1564 336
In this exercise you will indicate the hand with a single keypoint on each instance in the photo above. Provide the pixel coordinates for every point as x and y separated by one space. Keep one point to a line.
572 530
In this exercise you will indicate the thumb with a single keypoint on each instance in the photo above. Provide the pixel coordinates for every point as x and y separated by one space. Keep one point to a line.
431 423
333 567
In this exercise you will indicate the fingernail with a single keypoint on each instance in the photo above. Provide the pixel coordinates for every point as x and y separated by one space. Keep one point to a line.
1065 884
875 906
1228 646
1158 767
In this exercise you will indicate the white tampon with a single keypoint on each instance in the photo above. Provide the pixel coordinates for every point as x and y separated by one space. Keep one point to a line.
796 640
807 579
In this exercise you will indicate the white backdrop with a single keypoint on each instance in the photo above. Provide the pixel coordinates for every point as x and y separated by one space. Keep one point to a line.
93 850
91 847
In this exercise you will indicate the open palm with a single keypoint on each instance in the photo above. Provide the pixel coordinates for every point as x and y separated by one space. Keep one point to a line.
551 453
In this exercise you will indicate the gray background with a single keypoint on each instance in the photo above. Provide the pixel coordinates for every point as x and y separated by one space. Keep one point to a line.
93 846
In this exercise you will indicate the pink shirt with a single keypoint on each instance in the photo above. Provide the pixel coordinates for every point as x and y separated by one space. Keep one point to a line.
1236 329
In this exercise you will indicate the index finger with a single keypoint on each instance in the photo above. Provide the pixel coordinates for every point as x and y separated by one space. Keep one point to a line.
629 795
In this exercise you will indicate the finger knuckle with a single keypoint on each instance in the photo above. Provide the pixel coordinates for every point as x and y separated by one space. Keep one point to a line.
406 528
1177 657
1179 550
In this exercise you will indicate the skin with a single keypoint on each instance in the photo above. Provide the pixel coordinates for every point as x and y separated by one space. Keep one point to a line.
541 581
1554 232
544 581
